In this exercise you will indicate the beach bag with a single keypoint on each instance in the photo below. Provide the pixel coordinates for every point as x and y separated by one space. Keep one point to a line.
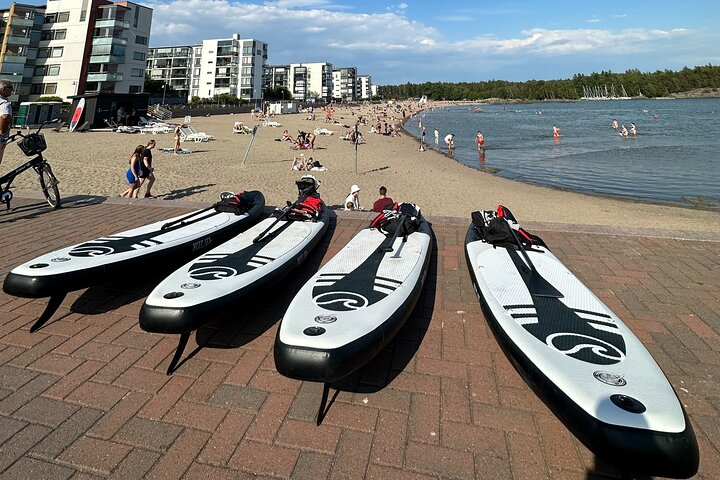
392 218
307 209
237 204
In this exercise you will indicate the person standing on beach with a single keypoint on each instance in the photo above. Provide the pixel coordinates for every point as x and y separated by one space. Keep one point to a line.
176 148
6 89
133 173
146 168
450 142
437 137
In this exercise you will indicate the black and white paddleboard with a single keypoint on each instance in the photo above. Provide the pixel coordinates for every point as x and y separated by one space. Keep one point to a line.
576 354
83 265
213 283
355 304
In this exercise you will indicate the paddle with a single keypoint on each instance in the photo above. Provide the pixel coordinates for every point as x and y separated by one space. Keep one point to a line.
387 244
537 285
181 221
284 213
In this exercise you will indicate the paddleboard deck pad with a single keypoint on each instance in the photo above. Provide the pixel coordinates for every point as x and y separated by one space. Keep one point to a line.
576 354
92 262
343 316
215 282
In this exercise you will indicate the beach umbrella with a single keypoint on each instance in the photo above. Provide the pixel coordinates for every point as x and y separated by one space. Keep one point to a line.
252 138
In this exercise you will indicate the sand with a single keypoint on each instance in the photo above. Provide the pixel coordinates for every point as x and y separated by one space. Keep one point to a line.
94 163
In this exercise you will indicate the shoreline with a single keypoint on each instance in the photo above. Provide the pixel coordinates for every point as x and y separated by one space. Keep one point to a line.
94 163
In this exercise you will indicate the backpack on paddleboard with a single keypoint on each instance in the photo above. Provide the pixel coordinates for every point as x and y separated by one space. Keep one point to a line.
404 215
494 228
238 204
307 209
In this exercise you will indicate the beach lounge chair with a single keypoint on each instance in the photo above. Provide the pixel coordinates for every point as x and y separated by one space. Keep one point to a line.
238 127
189 134
59 127
200 134
85 127
270 123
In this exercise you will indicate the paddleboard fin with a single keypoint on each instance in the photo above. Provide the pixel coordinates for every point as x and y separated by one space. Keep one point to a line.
184 337
52 306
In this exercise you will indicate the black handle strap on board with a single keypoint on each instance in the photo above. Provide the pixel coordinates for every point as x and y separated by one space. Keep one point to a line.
285 211
387 244
182 221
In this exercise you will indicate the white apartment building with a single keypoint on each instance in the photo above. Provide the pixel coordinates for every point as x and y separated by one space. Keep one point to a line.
89 46
231 66
307 80
20 26
364 87
344 84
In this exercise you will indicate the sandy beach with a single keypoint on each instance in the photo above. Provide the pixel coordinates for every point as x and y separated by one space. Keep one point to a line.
94 163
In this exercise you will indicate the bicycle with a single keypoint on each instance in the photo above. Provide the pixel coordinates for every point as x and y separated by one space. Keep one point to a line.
32 144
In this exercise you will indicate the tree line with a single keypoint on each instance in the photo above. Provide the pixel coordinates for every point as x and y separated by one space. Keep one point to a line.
636 84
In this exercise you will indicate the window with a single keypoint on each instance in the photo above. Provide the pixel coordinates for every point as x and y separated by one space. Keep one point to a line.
53 70
134 89
51 18
53 34
63 17
137 72
43 52
50 88
140 40
139 56
57 52
43 88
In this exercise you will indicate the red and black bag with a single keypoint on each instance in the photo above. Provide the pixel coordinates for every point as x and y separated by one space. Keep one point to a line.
399 215
237 204
308 209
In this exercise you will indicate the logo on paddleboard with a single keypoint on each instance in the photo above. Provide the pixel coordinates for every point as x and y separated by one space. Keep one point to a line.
614 379
60 259
189 286
326 319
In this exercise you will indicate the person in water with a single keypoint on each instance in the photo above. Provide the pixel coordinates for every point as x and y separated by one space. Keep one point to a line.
615 124
623 130
480 140
633 129
556 131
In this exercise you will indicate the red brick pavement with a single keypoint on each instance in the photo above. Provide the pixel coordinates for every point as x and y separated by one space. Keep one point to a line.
87 395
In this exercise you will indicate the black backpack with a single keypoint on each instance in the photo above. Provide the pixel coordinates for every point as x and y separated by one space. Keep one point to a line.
238 204
391 219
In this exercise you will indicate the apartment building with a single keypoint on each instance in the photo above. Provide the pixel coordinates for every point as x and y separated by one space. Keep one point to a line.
344 84
364 87
231 66
303 80
20 27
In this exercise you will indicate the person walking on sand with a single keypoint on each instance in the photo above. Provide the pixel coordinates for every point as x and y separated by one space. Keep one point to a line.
133 173
146 168
176 148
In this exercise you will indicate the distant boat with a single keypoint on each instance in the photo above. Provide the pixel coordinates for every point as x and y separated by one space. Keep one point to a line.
602 93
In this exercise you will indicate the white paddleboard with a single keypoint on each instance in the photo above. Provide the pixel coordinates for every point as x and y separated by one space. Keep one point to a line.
582 360
355 304
77 114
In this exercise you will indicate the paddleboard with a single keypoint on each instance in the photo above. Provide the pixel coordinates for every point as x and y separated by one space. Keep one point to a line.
215 282
345 314
578 356
89 263
76 115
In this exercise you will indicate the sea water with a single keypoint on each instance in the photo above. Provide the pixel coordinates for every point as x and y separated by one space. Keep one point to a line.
674 159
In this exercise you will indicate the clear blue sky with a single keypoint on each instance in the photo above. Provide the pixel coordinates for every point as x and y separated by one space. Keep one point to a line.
457 40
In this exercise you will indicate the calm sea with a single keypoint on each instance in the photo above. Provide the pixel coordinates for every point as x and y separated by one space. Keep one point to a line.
674 159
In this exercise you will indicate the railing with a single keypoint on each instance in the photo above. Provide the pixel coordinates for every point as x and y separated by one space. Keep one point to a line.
109 41
104 77
112 23
114 59
159 112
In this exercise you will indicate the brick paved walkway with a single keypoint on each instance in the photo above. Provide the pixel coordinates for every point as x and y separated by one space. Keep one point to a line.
87 395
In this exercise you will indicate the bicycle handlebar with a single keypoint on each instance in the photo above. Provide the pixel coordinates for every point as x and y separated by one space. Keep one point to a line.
13 137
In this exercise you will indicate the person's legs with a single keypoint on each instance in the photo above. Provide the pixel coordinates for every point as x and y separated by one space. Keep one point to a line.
150 180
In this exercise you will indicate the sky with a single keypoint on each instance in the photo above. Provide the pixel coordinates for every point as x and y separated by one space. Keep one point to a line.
457 40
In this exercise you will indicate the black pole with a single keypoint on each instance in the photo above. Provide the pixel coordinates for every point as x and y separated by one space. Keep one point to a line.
286 210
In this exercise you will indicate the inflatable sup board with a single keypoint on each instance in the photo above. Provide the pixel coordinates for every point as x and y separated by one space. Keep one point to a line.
215 282
76 115
83 265
343 316
576 354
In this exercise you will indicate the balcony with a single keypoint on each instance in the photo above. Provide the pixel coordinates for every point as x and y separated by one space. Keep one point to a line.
21 22
114 59
104 77
15 40
112 23
109 41
12 58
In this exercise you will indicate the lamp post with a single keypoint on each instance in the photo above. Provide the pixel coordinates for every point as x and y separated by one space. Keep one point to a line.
164 88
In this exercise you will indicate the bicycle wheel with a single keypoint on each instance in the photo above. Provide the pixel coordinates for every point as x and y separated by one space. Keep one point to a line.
48 184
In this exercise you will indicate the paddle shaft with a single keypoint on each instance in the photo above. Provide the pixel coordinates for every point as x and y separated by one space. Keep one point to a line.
387 245
286 210
181 220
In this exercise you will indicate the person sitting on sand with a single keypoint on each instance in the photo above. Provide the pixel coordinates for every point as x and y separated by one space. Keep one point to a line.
353 198
314 165
383 201
298 163
286 137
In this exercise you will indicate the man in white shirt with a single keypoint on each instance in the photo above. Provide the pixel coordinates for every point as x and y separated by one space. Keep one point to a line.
6 89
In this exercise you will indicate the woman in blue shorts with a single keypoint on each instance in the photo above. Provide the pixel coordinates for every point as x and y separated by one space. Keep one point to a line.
133 173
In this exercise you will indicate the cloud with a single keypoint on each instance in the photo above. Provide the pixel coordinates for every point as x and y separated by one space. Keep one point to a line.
393 48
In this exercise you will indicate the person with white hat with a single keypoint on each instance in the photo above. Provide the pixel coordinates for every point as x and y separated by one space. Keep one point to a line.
352 202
